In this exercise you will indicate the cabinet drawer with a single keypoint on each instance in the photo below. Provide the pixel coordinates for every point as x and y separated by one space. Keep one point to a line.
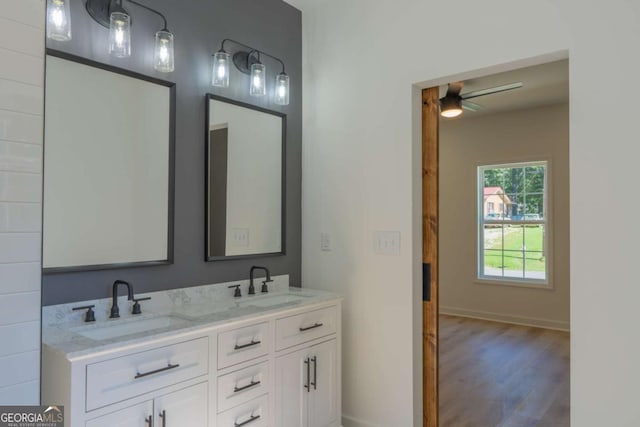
243 344
251 414
121 378
133 416
243 385
305 327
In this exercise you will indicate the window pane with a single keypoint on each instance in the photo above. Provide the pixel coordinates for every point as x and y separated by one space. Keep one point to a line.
493 262
535 262
534 179
513 251
534 207
493 236
535 266
516 206
514 180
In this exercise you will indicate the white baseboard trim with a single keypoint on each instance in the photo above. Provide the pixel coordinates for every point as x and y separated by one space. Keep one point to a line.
506 318
354 422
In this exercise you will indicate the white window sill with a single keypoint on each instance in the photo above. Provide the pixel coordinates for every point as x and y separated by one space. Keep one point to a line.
512 282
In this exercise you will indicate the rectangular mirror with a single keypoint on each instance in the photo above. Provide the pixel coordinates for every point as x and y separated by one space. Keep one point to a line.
108 167
245 180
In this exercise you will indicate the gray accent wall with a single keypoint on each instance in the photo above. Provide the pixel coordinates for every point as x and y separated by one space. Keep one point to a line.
199 27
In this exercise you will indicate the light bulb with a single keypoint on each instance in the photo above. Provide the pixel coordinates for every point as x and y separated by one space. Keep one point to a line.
120 35
220 75
281 96
58 20
258 73
163 54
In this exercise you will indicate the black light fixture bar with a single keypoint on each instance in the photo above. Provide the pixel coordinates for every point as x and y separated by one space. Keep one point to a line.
244 59
100 10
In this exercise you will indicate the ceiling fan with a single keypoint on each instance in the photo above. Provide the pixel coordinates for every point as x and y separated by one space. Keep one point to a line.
452 104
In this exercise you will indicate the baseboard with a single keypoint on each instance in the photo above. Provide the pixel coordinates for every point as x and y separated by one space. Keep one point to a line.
506 318
354 422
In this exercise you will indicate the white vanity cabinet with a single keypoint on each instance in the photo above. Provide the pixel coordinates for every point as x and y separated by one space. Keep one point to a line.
277 368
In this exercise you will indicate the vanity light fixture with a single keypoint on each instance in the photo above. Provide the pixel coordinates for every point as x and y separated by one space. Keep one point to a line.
450 106
58 20
249 62
112 15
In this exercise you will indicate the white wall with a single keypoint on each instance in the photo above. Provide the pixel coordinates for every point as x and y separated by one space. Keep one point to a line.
525 135
361 173
21 104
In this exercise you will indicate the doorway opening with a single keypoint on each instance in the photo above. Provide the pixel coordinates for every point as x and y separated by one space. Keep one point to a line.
496 247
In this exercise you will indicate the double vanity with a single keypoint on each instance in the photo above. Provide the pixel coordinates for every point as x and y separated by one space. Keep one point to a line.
198 357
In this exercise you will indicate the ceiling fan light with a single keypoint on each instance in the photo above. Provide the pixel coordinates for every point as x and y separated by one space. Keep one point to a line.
450 107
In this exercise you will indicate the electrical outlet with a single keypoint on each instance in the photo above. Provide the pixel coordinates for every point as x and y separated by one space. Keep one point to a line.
240 237
386 242
325 242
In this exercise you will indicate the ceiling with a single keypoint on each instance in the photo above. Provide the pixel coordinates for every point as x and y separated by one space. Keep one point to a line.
544 84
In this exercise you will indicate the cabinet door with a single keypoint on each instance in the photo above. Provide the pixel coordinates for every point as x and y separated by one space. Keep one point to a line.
135 416
323 399
291 395
186 407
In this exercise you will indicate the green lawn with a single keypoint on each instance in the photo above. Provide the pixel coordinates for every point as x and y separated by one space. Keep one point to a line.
514 256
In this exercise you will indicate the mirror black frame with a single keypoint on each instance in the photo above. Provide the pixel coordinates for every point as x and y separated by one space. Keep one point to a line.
171 166
207 257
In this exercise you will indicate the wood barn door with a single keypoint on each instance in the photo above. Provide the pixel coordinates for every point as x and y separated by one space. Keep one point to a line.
430 122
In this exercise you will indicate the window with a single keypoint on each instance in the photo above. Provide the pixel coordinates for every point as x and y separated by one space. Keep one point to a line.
513 241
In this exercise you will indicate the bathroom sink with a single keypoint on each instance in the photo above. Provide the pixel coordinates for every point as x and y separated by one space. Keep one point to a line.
272 300
124 327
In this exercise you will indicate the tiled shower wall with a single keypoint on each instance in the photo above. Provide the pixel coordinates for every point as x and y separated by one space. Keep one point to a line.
21 128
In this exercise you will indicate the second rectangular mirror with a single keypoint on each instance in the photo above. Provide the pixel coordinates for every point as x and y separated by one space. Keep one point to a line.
245 180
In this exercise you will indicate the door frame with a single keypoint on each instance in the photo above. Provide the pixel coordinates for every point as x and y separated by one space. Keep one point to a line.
425 239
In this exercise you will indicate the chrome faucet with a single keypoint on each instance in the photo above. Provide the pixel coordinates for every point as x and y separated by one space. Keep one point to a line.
115 310
265 289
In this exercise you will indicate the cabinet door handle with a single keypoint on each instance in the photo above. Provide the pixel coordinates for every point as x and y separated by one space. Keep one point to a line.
314 359
308 328
250 420
252 384
163 415
307 385
149 420
157 371
251 344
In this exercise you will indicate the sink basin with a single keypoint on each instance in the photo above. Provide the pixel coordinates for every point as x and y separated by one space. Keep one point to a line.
124 327
272 300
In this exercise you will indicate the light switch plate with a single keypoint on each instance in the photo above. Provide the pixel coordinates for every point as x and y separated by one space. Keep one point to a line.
386 243
325 242
240 237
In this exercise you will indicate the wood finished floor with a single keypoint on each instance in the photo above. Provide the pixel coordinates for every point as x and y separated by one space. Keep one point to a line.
500 375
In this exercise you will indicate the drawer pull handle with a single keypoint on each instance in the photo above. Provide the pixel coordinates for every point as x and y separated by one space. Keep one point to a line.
252 384
163 415
308 328
307 385
149 420
251 344
157 371
250 420
314 359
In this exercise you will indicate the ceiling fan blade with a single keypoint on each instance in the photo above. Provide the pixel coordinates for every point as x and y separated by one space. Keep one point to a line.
455 88
471 106
492 90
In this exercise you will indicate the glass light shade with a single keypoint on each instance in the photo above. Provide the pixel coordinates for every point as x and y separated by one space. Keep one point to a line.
120 35
281 95
163 52
220 75
450 107
258 80
58 20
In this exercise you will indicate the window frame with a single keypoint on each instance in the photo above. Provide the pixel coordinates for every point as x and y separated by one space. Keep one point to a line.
481 221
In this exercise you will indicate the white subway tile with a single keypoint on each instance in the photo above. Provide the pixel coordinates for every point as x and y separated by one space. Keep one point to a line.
21 68
30 12
20 187
19 368
20 308
19 338
21 394
19 127
23 277
20 217
20 157
21 97
21 38
19 247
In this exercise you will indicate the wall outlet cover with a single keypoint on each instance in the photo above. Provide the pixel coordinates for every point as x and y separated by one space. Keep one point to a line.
325 242
386 243
240 237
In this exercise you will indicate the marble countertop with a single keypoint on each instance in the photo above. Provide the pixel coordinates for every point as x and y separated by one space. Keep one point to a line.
61 333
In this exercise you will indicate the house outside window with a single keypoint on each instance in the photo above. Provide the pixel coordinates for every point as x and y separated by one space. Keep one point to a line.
513 239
